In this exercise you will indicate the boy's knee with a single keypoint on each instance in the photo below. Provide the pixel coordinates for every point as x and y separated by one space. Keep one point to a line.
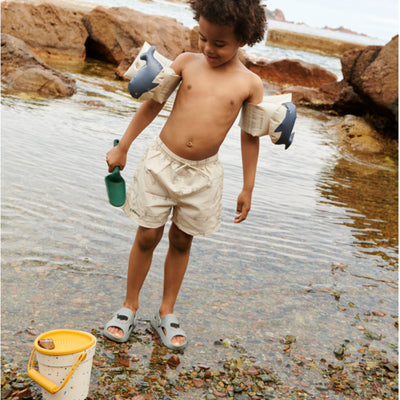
180 240
148 238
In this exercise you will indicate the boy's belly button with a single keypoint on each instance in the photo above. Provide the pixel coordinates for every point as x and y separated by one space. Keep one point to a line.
189 143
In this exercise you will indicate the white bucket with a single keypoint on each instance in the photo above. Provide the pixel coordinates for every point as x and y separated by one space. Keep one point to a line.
64 372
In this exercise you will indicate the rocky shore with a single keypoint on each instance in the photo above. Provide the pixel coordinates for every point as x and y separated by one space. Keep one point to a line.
316 44
121 373
36 32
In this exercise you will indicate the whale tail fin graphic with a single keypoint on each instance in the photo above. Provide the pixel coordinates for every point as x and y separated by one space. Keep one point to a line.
286 127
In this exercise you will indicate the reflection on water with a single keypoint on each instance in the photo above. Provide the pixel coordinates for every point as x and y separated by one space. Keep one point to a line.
371 195
322 233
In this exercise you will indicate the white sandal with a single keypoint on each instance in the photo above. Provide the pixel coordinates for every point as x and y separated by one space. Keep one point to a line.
123 319
170 324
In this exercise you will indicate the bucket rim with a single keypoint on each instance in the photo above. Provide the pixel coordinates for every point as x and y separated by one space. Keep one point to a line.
84 341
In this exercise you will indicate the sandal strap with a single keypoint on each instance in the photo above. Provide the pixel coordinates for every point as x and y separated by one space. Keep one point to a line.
122 324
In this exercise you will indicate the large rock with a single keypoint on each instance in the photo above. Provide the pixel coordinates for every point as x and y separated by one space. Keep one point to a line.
52 31
373 73
369 88
289 72
23 71
360 135
336 97
117 33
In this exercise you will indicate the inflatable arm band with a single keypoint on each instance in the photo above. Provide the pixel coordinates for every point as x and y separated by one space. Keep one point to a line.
151 76
275 117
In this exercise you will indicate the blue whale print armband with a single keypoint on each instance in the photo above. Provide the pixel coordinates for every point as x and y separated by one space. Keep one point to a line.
274 116
151 76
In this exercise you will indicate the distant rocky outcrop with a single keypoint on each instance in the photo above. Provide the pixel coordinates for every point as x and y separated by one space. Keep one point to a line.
276 15
342 29
305 42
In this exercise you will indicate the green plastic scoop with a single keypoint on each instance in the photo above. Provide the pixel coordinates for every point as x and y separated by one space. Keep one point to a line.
115 185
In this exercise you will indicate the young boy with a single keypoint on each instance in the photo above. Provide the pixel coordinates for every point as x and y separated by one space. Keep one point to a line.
181 171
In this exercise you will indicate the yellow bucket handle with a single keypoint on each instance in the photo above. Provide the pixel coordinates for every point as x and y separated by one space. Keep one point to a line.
46 383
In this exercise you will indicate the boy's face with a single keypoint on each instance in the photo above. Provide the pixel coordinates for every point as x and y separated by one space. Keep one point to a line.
218 43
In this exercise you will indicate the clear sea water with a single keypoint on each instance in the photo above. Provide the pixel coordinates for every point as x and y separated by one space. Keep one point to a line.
317 255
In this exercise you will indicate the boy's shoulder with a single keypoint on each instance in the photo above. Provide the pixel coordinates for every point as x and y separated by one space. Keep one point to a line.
183 60
187 56
255 84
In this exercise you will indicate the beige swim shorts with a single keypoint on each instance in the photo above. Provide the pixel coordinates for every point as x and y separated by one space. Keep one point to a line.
165 182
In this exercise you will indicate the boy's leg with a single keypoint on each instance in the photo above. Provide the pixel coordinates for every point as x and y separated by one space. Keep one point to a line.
174 271
146 241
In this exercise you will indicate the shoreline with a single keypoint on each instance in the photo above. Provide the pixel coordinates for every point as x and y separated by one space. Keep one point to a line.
165 375
306 42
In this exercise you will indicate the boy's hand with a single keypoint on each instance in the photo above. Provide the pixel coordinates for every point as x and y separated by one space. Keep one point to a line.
243 206
116 158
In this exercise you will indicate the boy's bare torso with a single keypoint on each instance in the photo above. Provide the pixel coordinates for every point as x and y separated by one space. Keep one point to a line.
207 104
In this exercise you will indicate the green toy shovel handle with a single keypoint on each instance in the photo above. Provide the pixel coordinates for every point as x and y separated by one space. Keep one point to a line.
117 168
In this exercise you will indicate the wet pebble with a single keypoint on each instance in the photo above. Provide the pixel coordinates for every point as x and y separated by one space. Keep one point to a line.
174 361
198 383
339 351
372 335
378 313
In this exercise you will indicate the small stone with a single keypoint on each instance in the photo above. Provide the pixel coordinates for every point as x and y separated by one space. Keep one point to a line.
371 364
339 351
19 385
372 335
252 371
237 389
267 378
390 366
6 391
289 339
360 327
207 374
336 295
378 313
198 383
174 361
47 344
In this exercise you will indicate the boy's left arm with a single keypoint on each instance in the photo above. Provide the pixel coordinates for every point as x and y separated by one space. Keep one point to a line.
250 149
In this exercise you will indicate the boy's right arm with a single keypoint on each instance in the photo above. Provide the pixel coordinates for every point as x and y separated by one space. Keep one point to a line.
142 118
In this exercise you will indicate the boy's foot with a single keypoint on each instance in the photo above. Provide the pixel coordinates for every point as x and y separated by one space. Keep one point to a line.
168 328
121 325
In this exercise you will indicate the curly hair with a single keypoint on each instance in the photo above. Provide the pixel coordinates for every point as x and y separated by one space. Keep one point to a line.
248 17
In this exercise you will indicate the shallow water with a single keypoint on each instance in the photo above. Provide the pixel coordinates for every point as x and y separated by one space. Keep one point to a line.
317 255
